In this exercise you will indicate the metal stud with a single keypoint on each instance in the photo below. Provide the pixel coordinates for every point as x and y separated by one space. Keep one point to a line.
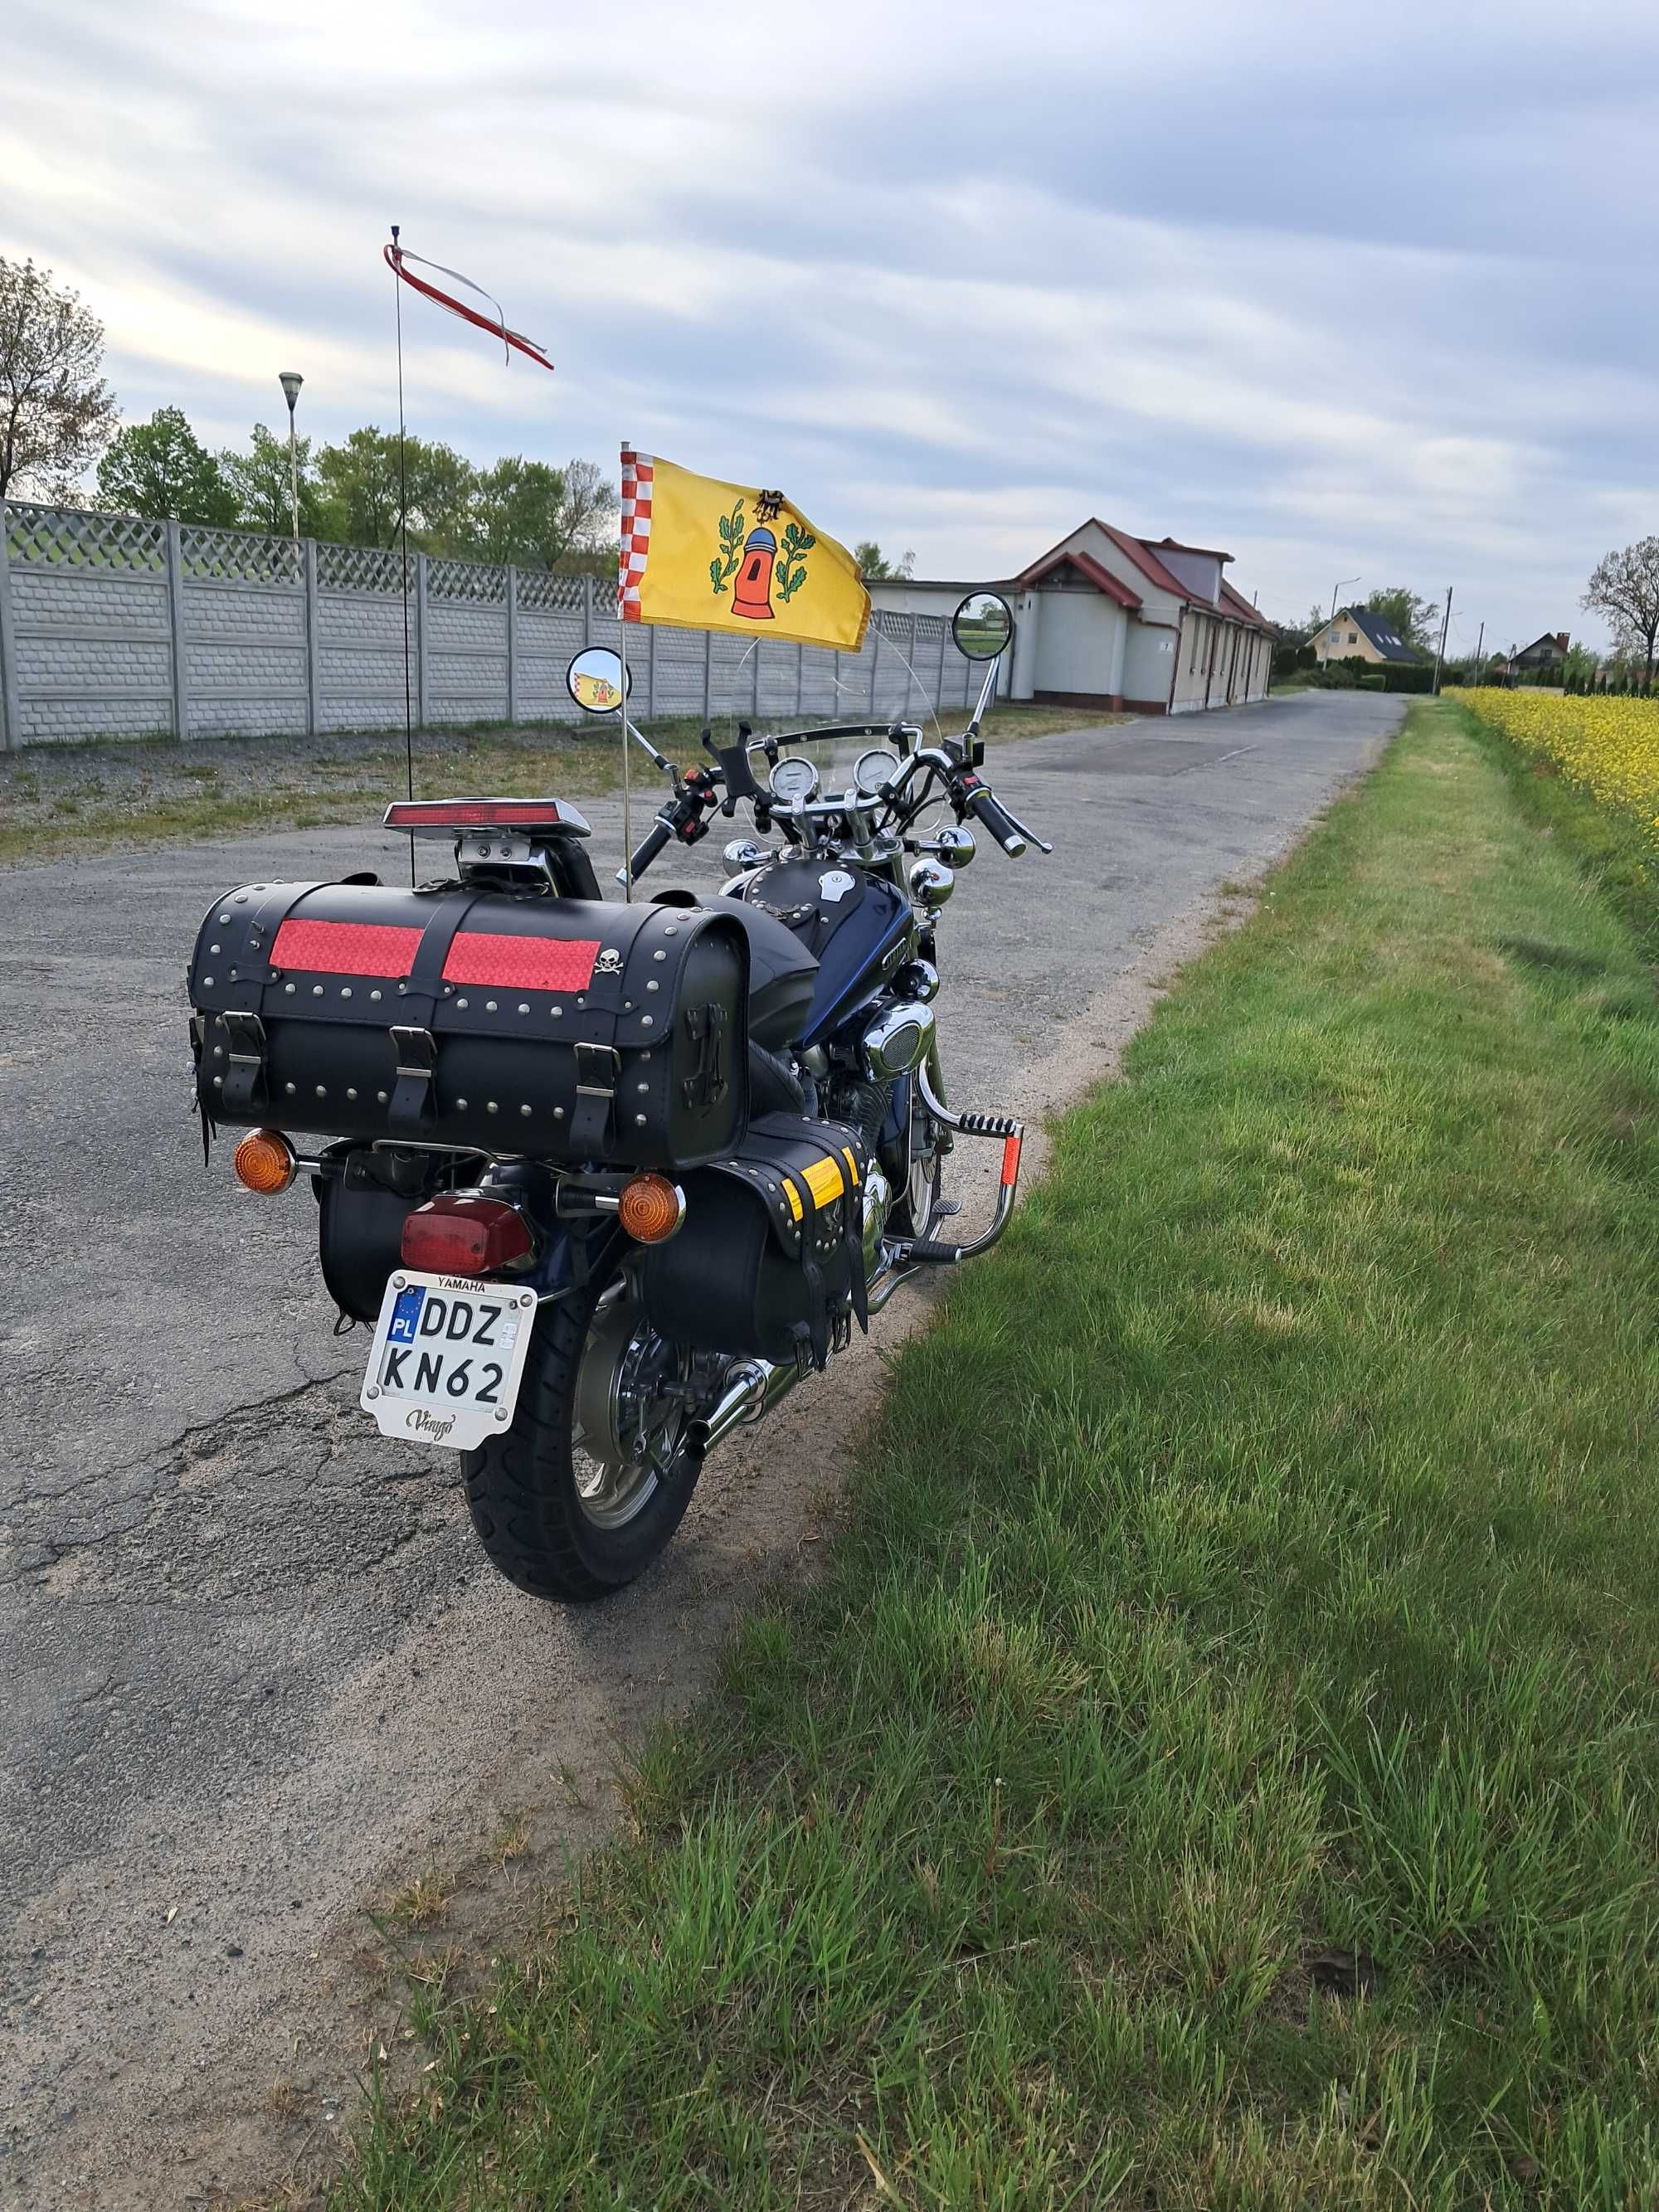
233 974
316 990
345 990
489 1005
289 987
646 1021
288 1087
322 1090
672 930
207 983
459 1004
640 1121
556 1012
241 897
524 1110
524 1005
654 984
380 1097
660 954
489 1106
373 994
351 1092
628 1005
218 1082
643 1088
219 1053
225 916
213 948
460 1105
558 1113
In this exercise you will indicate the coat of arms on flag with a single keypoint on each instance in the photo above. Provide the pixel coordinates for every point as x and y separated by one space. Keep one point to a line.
697 554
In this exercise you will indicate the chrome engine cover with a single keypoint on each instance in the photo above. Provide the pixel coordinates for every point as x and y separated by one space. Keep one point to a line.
896 1040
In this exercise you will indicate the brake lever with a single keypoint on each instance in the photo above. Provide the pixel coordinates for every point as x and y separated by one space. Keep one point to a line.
1024 828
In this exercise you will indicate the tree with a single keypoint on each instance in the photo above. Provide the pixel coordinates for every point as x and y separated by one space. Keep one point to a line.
161 469
362 485
1417 622
258 482
56 414
875 567
539 516
1624 589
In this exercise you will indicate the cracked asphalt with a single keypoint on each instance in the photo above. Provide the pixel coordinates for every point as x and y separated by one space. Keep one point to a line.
252 1660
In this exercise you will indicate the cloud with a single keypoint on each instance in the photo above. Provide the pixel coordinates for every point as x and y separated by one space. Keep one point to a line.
1337 298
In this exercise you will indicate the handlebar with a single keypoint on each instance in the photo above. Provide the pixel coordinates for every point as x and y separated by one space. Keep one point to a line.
659 833
986 807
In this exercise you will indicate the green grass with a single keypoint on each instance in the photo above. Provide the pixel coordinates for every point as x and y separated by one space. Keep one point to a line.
1616 854
150 792
1218 1768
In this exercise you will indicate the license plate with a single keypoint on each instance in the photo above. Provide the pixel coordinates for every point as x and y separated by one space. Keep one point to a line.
447 1358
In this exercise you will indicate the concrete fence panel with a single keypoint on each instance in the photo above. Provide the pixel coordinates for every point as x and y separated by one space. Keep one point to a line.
114 627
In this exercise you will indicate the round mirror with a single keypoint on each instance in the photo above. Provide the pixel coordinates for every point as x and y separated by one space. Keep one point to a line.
595 680
982 625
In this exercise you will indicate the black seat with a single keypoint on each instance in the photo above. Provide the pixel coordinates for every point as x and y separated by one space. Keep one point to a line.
782 975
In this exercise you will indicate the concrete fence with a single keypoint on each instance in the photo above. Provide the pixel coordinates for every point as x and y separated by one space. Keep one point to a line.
114 627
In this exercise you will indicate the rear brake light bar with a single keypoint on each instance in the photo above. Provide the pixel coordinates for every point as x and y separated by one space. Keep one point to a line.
452 814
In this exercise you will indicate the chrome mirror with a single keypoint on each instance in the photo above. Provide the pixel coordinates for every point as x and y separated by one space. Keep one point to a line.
982 626
595 680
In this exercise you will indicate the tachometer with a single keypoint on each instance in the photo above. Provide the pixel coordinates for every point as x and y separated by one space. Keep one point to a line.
794 779
873 770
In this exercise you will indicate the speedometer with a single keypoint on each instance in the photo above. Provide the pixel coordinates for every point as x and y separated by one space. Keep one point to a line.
794 779
873 770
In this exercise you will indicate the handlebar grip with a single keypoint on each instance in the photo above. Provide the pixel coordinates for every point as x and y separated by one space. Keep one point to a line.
983 804
659 835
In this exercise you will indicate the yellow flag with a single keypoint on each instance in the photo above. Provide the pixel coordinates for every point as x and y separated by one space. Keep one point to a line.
702 555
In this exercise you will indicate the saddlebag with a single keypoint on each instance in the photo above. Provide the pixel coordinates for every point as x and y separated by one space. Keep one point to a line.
770 1262
570 1029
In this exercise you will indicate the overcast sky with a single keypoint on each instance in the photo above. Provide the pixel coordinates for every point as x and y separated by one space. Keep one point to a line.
1344 292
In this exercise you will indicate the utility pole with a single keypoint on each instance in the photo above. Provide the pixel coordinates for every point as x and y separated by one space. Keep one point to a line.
1479 642
290 380
1440 650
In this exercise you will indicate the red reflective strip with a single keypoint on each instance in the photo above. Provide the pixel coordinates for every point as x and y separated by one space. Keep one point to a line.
1011 1158
346 948
522 964
471 813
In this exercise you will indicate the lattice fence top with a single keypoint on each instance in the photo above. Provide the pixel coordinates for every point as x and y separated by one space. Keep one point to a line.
360 569
542 592
476 581
931 627
65 536
239 557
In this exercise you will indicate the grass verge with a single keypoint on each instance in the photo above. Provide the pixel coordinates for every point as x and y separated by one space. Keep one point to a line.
1219 1766
56 799
1616 854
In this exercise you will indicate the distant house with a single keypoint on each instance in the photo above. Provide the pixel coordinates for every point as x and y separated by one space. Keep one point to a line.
1109 620
1357 634
1546 652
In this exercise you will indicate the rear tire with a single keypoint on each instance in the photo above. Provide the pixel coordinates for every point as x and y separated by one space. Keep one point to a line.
523 1492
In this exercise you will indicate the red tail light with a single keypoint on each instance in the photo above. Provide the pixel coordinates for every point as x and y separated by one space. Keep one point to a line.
460 1235
452 814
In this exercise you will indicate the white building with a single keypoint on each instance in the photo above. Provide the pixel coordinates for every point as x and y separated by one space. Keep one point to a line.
1107 620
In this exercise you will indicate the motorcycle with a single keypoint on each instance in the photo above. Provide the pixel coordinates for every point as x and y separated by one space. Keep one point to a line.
608 1178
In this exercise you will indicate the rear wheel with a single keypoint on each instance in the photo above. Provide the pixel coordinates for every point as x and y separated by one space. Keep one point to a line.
591 1480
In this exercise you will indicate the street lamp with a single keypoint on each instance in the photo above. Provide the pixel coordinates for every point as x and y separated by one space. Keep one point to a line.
290 380
1341 584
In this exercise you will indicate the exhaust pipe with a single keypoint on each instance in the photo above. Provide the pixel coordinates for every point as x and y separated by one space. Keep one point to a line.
756 1386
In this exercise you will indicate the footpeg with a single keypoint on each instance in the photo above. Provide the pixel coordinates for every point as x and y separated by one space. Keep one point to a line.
989 1124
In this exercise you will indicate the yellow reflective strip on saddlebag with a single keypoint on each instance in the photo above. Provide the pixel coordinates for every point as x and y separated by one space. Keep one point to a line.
825 1180
793 1196
852 1165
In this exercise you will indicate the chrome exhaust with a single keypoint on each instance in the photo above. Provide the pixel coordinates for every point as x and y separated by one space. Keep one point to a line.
756 1386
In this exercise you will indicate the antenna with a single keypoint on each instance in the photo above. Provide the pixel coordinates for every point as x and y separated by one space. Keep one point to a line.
403 550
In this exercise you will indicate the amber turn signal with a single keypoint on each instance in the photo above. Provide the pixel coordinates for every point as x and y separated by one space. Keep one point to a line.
651 1208
264 1162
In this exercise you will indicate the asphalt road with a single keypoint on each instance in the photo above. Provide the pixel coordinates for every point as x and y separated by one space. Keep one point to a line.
251 1655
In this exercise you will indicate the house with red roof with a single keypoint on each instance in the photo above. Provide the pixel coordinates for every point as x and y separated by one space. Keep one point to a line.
1107 620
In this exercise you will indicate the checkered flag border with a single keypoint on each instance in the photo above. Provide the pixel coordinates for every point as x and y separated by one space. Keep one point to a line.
637 470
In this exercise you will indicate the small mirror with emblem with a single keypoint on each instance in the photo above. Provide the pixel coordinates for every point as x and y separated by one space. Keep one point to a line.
595 680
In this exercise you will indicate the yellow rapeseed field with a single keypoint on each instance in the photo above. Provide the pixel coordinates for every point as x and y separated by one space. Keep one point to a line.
1608 747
